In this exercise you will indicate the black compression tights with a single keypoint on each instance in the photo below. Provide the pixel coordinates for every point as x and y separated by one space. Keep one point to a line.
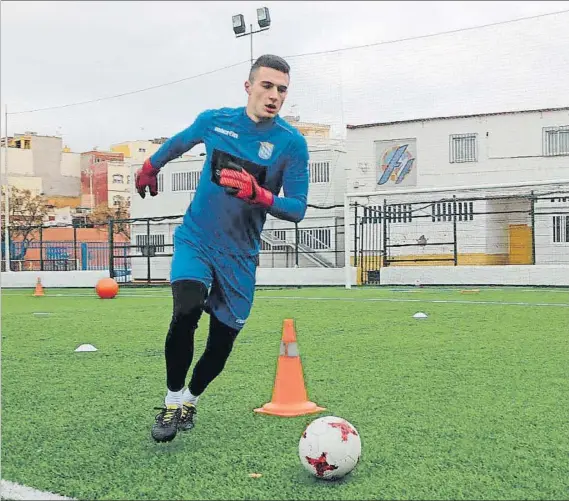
189 299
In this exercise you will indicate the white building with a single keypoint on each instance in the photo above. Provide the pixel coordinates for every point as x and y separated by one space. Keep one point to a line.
41 164
118 182
318 241
492 149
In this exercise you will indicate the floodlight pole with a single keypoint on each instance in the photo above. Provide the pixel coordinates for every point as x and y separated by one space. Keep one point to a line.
250 34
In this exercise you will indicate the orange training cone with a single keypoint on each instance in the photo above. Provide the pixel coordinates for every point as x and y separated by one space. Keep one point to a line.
289 393
39 288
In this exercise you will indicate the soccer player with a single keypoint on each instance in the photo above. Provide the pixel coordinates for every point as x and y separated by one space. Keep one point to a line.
251 153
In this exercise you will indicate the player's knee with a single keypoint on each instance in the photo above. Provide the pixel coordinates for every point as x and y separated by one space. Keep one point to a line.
189 300
222 337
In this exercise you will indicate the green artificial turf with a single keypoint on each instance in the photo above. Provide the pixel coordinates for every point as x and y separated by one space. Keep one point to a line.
470 403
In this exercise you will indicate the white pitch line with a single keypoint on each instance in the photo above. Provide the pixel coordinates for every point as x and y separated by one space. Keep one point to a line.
355 299
402 300
12 490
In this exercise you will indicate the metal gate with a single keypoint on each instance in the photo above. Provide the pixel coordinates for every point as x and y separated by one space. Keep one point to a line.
382 237
368 244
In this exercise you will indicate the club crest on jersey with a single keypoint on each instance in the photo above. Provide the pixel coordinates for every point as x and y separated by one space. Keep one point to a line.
266 150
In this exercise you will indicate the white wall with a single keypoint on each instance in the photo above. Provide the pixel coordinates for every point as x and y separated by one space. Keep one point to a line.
28 279
20 162
509 150
71 164
121 189
299 276
167 203
553 275
331 192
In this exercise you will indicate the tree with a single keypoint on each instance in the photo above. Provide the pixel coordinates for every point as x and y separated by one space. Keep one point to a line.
27 213
120 211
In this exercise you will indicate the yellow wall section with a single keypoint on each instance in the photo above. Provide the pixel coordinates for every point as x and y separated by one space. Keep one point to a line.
474 259
122 148
520 244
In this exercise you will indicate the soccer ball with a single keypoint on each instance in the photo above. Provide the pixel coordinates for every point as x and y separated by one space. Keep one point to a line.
330 447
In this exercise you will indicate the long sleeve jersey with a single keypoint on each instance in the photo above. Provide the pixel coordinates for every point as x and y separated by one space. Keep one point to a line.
220 220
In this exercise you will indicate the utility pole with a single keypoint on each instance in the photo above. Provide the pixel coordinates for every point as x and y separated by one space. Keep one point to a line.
6 197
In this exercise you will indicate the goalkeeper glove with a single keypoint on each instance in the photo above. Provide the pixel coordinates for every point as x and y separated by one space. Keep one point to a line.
146 178
243 185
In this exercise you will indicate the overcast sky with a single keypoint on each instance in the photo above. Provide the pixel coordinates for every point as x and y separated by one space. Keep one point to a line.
55 53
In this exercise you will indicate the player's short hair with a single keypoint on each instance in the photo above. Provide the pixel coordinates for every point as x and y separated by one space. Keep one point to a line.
269 61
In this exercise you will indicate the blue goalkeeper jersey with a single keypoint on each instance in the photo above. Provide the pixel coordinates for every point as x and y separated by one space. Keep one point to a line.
220 220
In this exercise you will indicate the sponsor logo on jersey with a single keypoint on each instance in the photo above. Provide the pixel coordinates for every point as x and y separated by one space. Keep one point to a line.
226 132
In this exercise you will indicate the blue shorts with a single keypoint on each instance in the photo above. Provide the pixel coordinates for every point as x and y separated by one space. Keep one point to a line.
229 278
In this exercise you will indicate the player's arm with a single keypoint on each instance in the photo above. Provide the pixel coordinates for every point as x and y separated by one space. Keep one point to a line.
173 148
292 206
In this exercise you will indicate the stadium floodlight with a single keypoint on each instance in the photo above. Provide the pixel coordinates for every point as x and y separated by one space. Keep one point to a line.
239 24
263 17
240 29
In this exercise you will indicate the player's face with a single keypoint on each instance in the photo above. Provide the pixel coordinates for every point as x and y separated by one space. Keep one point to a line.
267 93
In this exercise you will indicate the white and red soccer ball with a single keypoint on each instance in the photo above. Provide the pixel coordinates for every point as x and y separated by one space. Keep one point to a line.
330 447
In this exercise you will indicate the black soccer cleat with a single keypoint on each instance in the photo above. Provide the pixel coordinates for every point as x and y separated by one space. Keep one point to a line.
186 421
165 426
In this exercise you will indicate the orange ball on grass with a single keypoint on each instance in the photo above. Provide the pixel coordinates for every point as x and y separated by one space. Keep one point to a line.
107 288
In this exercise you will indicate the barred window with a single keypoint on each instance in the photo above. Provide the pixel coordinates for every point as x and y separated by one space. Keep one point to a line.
560 229
156 239
319 172
556 141
160 180
444 211
315 238
463 148
185 181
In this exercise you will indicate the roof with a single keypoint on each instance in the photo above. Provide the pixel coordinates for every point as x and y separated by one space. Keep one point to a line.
378 124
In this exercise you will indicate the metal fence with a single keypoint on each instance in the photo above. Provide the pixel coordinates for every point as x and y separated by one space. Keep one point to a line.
35 249
318 241
520 229
524 229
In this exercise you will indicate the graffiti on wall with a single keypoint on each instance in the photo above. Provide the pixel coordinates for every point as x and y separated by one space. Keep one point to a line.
397 162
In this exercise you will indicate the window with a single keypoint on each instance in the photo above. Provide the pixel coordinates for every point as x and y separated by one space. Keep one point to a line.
185 181
463 148
117 199
560 229
118 179
556 141
444 211
319 172
156 239
141 150
160 182
315 238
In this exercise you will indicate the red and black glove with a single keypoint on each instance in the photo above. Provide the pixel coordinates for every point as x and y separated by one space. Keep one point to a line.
146 178
243 185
